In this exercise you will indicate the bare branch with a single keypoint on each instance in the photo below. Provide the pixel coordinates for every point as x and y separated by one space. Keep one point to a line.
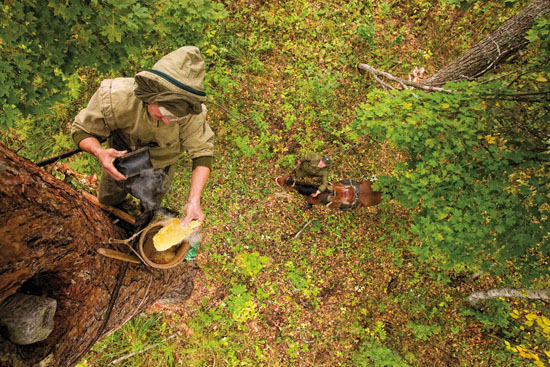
498 77
225 109
527 96
303 228
476 297
123 358
377 73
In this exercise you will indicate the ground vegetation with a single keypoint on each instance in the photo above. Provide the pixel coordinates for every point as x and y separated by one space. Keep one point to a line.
382 286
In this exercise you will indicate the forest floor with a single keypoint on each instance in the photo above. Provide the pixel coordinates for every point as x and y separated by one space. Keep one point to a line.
281 285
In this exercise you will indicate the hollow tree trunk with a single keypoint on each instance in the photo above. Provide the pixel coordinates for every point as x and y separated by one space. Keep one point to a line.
483 56
48 240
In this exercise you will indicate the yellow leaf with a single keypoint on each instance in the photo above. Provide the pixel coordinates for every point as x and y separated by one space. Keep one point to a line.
542 79
490 139
445 105
531 316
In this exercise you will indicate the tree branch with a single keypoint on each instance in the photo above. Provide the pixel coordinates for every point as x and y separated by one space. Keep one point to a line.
303 228
123 358
376 74
225 110
476 297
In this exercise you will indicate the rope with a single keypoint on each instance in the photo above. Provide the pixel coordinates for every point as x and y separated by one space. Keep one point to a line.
128 243
112 300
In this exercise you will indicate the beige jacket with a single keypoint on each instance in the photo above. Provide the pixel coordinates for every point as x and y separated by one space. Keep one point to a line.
114 111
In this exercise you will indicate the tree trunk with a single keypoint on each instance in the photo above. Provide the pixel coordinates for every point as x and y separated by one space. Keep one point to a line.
48 239
506 40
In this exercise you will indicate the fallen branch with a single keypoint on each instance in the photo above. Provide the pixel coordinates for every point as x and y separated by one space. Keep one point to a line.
123 358
343 150
476 297
377 74
111 209
529 96
226 110
304 227
241 120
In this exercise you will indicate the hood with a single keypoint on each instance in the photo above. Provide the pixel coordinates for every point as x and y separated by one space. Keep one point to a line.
175 82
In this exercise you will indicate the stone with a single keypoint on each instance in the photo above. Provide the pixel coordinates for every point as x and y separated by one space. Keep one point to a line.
27 318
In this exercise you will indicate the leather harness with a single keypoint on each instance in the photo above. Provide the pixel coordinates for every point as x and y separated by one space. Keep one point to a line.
345 205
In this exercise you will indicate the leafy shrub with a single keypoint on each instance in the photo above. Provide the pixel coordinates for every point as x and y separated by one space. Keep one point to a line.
367 33
373 352
251 263
44 43
423 332
480 188
241 304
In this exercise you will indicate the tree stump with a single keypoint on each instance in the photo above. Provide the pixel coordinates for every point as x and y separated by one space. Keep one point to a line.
49 235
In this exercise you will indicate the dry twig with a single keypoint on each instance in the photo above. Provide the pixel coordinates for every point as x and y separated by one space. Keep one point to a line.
303 228
123 358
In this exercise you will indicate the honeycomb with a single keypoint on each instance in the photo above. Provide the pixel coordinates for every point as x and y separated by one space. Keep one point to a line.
173 233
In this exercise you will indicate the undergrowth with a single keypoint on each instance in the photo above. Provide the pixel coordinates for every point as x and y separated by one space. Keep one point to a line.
349 290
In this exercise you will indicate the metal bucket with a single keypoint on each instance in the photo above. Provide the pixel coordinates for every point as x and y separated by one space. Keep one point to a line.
160 259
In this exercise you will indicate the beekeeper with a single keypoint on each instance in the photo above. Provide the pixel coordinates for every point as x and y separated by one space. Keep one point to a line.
161 108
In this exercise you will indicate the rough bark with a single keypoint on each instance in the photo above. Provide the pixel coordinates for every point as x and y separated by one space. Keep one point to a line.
48 239
500 44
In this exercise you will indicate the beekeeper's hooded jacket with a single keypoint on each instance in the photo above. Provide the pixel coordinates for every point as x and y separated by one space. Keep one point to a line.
118 111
